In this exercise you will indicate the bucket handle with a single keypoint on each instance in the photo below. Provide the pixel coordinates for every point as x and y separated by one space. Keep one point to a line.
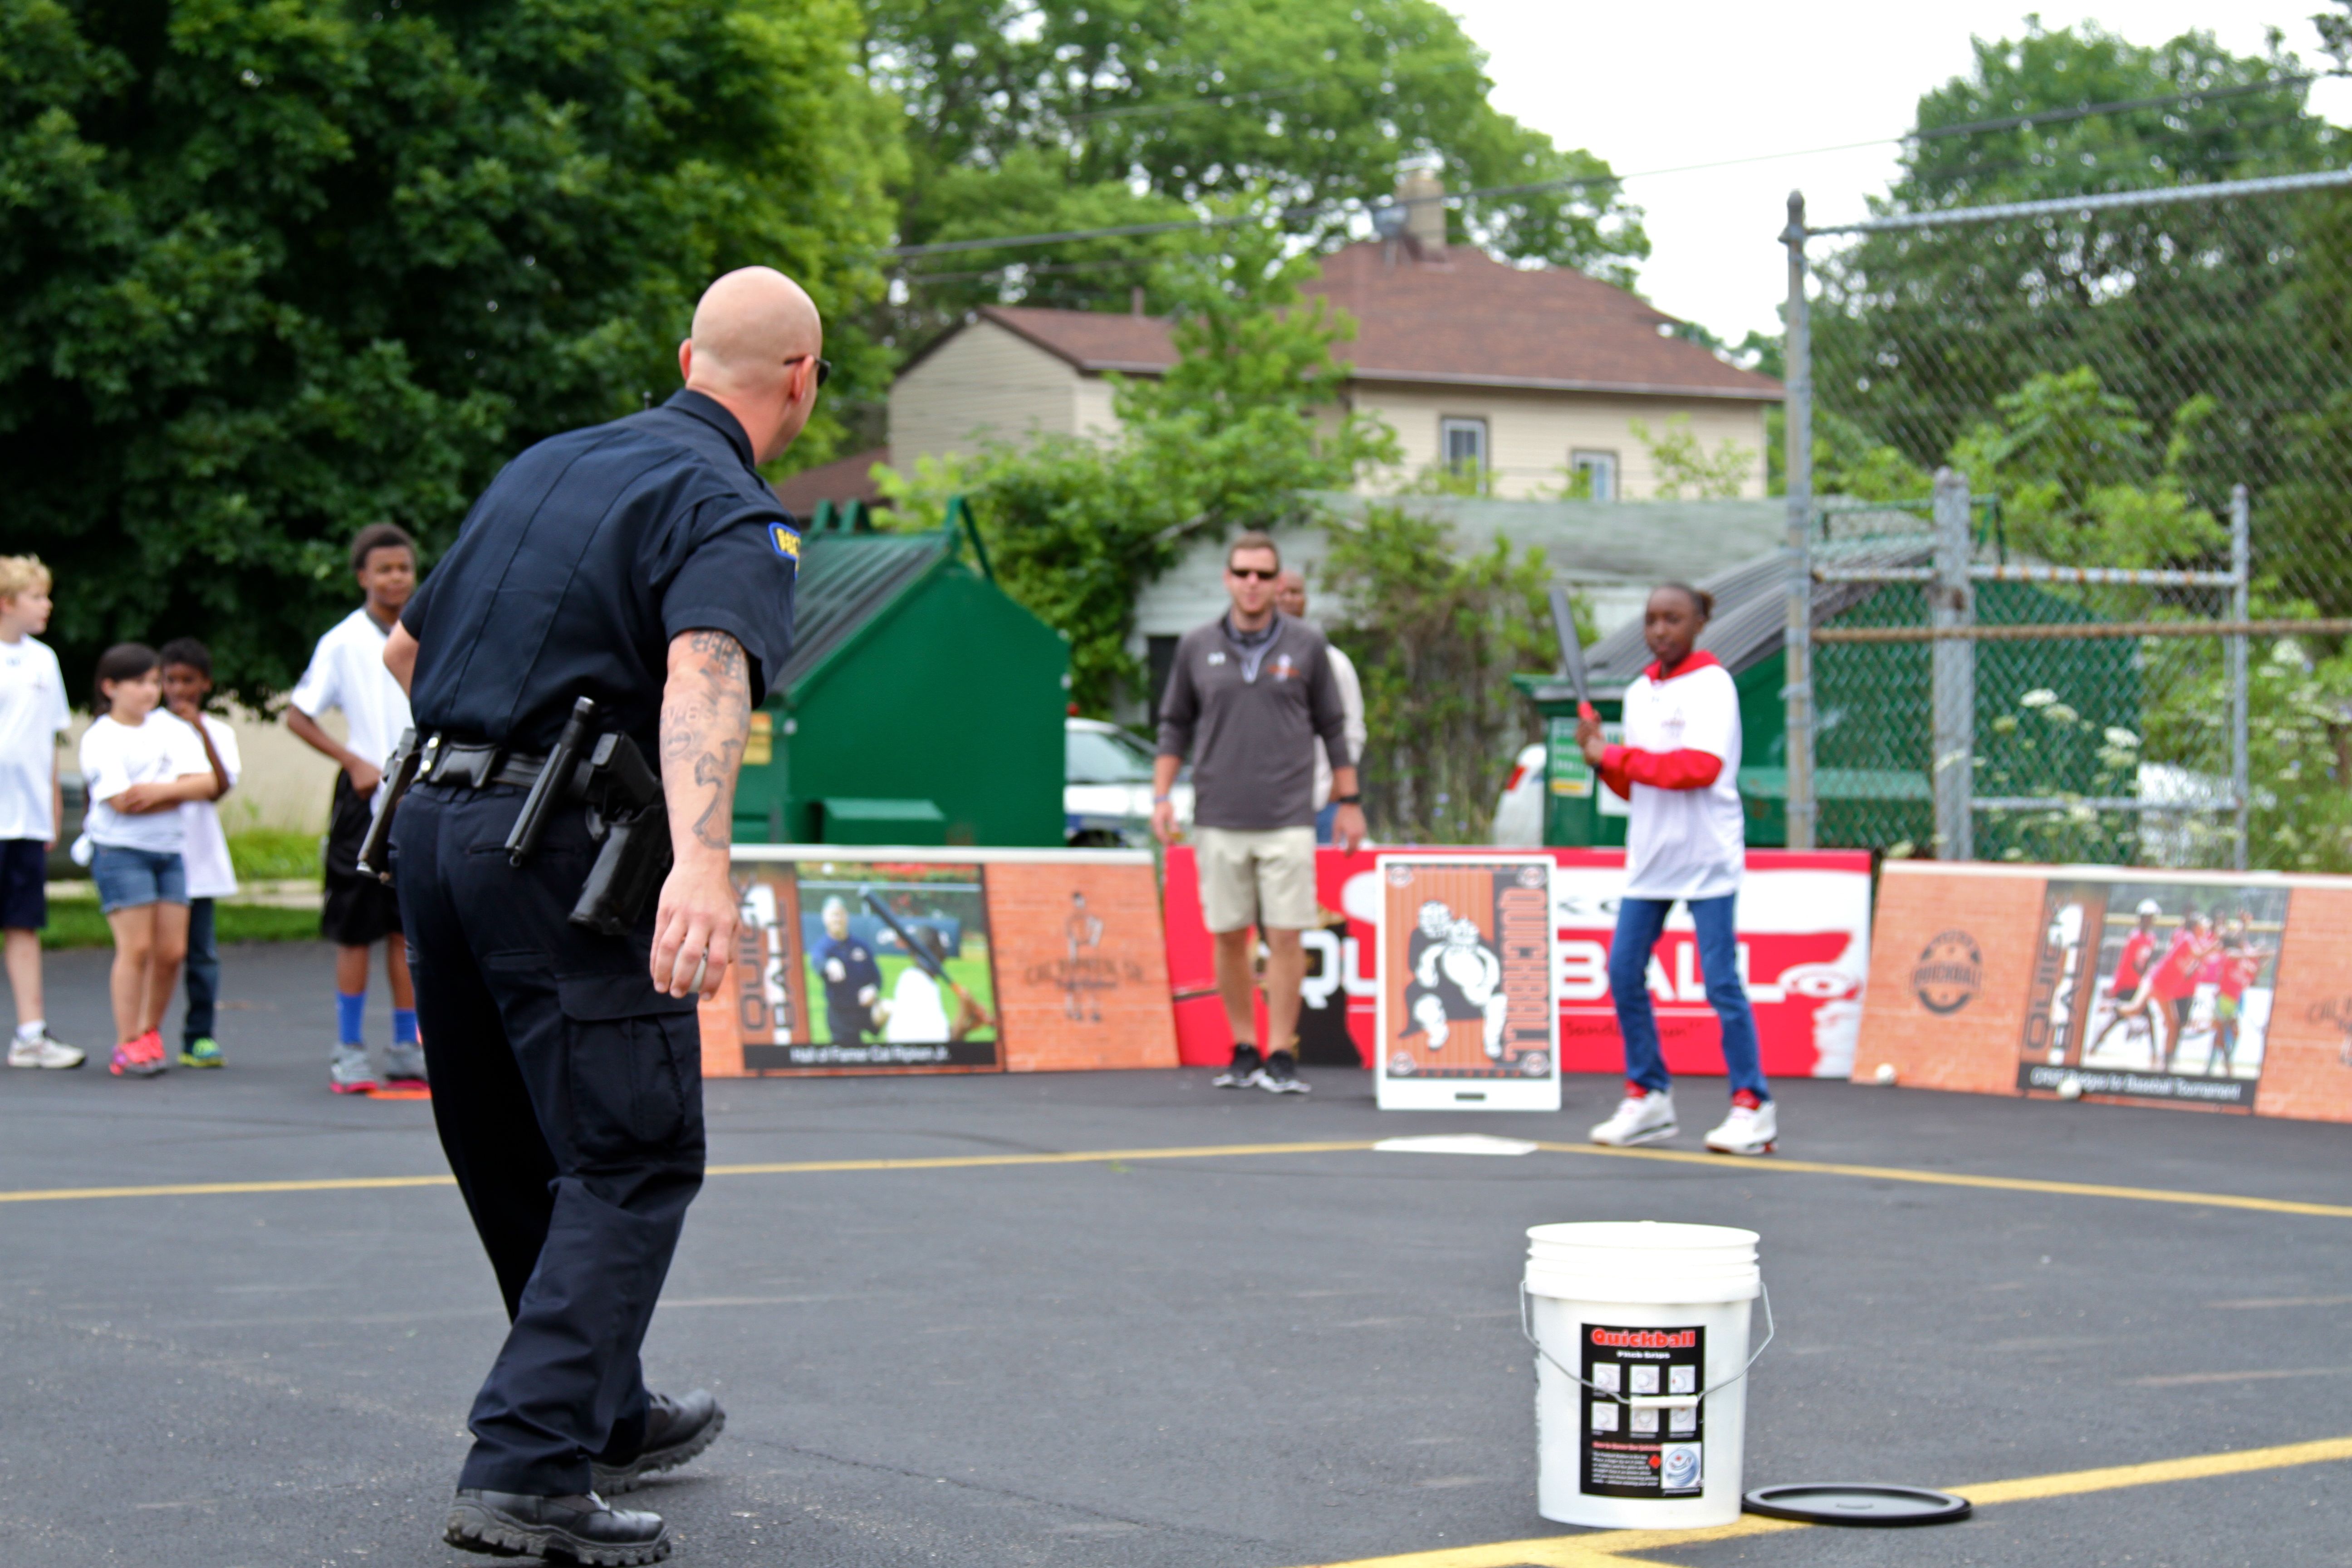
1649 1402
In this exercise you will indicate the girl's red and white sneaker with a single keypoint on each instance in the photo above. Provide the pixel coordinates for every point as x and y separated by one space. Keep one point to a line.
1752 1128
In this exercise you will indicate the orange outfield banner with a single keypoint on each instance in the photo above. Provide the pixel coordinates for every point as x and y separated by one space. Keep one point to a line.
853 961
2204 990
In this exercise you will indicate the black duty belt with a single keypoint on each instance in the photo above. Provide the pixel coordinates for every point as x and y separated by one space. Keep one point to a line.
463 764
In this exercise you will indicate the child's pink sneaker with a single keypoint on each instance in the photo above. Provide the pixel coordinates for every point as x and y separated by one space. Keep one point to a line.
140 1058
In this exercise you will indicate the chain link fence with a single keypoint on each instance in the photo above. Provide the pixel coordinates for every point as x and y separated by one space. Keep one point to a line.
2070 499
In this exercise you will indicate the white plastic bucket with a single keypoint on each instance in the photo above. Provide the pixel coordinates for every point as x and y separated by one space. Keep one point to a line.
1652 1319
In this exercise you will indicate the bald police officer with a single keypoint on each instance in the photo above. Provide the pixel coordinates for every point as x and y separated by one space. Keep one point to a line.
643 564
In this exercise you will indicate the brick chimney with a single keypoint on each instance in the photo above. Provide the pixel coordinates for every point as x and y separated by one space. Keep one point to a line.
1422 195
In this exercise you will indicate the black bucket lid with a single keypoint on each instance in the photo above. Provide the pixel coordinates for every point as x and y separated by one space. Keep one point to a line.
1858 1503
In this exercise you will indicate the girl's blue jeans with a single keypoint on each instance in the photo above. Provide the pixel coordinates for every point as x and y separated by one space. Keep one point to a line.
1639 922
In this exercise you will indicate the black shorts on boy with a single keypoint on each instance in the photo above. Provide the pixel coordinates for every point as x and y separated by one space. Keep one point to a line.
360 910
24 884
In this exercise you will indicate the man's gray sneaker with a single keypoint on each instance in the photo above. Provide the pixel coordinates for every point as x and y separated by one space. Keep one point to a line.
676 1431
404 1064
581 1528
1280 1075
348 1071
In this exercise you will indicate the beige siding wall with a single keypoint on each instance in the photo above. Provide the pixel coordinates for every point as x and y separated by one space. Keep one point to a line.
1529 434
1095 414
983 382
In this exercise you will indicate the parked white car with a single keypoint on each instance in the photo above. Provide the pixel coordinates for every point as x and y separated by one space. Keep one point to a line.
1106 786
1519 814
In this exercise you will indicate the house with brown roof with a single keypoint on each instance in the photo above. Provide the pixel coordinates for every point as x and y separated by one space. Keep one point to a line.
1524 376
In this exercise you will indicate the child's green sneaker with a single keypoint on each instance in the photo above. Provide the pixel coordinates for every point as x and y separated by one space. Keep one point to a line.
205 1053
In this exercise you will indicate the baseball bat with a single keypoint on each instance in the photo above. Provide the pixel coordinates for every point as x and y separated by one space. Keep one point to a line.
1572 654
920 952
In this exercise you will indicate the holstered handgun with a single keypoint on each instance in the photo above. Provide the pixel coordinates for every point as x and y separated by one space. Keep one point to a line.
400 771
628 816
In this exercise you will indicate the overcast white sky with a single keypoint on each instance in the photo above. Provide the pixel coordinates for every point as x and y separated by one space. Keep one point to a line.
1676 82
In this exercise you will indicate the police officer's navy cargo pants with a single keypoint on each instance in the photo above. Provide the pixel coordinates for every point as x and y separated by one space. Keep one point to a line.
568 1093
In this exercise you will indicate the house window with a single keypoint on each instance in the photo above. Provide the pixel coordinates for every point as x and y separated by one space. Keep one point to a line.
1596 474
1462 445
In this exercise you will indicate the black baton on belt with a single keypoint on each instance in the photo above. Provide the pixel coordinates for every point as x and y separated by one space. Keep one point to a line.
547 791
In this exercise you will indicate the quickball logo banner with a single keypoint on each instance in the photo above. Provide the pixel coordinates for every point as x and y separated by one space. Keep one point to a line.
1636 1448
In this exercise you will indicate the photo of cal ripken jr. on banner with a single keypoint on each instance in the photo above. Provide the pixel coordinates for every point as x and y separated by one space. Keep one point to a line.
869 964
2153 990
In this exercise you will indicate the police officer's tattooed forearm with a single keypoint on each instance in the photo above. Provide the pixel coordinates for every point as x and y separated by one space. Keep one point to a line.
705 715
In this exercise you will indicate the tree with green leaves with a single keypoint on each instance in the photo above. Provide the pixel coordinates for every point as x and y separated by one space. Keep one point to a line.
1436 634
276 269
1248 417
1919 334
1046 116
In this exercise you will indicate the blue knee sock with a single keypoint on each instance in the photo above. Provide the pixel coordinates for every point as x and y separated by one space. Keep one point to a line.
348 1011
404 1026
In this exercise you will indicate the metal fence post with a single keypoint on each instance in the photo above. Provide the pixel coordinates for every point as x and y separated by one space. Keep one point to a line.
2241 561
1797 451
1952 604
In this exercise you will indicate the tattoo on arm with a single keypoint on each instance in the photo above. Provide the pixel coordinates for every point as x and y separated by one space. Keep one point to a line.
706 715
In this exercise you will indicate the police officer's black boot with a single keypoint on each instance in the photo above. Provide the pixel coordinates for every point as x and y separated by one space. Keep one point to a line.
676 1431
581 1528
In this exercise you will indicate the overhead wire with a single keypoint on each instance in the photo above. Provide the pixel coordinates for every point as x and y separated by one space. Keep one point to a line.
1301 211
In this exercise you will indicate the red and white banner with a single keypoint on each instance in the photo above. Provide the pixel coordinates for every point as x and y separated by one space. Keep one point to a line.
1804 952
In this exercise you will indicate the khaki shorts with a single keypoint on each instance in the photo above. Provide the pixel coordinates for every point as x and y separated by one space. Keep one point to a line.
1261 877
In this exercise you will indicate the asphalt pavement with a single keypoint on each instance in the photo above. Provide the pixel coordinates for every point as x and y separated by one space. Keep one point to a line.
1227 1361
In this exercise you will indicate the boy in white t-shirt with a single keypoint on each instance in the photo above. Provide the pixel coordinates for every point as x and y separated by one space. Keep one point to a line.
203 847
33 714
1685 841
347 672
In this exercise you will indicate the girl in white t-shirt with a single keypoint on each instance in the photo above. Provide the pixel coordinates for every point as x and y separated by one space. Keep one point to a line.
1678 769
137 766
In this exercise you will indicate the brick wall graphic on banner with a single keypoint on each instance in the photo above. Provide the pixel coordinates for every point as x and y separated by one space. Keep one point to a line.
1020 961
2202 990
1081 972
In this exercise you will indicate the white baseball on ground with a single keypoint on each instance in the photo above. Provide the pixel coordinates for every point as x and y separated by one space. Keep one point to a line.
2069 1088
1884 1075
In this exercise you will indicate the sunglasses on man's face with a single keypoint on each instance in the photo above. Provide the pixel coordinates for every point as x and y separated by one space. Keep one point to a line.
1261 575
823 367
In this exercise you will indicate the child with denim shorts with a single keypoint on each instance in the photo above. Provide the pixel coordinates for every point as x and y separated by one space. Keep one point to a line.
33 716
139 765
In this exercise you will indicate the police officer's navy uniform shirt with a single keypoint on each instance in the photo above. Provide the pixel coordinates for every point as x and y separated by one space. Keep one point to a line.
582 562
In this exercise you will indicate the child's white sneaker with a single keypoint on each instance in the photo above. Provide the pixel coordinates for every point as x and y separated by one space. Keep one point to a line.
1750 1128
41 1051
1642 1117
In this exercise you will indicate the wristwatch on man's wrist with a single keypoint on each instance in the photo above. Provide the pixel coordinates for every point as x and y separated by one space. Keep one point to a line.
1347 800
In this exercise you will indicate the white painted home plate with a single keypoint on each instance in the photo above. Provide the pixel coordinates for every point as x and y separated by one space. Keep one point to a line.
1454 1143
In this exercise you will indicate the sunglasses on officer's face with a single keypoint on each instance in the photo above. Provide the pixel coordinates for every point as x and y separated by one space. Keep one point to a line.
1259 573
823 367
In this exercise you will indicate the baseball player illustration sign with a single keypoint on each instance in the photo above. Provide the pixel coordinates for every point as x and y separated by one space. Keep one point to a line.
1468 968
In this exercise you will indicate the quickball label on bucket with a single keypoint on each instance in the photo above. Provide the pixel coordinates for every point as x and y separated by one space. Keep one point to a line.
1639 1449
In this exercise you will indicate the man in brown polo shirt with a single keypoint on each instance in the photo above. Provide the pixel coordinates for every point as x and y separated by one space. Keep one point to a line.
1249 693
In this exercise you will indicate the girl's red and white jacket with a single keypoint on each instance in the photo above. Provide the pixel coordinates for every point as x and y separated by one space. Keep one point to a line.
1679 768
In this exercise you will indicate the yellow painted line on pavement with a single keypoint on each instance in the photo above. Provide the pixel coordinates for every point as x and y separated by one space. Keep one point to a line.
1083 1157
210 1189
1774 1165
1718 1164
1612 1546
780 1168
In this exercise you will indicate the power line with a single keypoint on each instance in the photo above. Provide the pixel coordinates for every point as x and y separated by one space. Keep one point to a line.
2053 116
1303 211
